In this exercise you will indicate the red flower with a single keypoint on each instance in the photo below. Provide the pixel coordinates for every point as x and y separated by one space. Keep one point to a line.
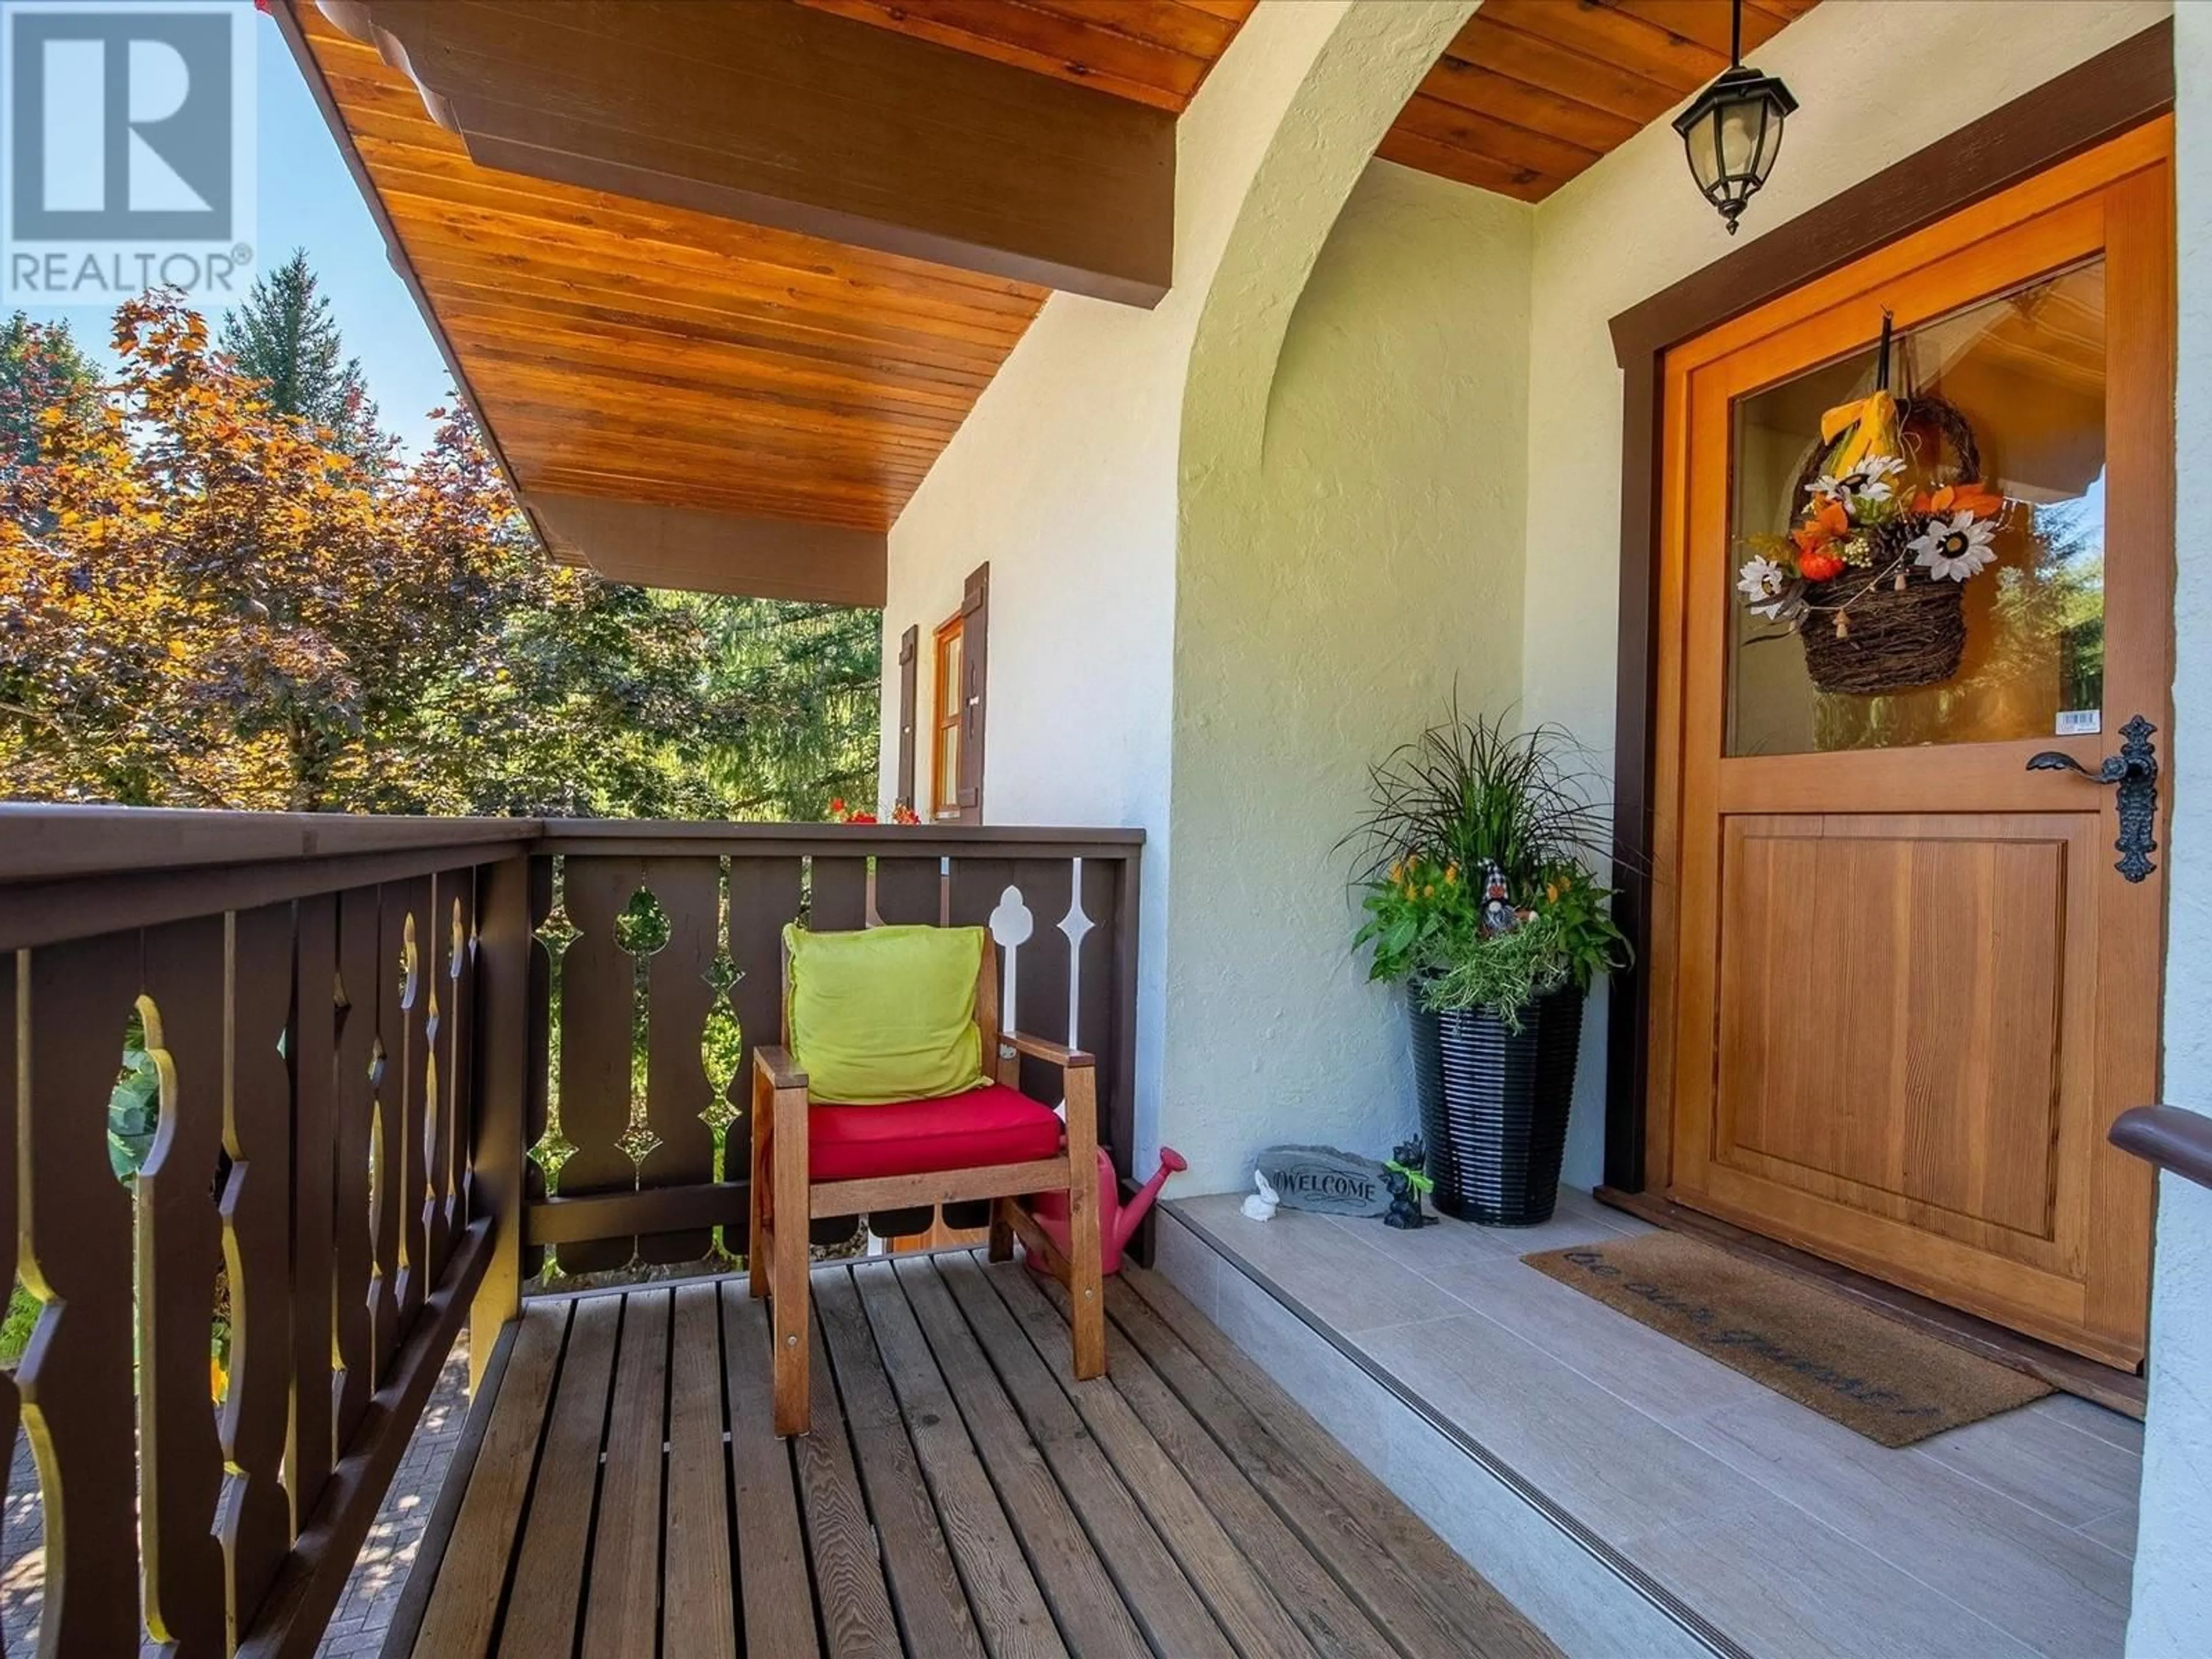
837 805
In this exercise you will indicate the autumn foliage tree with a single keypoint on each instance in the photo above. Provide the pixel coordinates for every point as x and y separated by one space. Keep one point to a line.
202 603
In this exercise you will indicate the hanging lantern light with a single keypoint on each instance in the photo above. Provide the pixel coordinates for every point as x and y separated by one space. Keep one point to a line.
1732 132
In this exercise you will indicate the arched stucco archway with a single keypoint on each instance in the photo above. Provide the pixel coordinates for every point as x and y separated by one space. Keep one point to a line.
1350 510
1363 62
1068 475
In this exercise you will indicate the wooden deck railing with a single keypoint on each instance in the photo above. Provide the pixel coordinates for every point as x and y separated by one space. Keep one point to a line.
399 1060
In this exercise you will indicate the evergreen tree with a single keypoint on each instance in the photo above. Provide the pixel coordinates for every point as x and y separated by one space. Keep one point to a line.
284 337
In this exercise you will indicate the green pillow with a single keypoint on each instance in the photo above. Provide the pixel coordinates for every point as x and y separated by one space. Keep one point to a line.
885 1014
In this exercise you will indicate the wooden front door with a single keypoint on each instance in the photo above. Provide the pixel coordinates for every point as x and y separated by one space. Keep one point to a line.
1901 990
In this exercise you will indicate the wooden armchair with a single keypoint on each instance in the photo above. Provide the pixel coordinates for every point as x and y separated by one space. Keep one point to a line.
992 1142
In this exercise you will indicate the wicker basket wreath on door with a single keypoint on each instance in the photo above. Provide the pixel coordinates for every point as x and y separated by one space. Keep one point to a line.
1872 584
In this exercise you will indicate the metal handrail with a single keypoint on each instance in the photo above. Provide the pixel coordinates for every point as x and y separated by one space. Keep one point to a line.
2171 1137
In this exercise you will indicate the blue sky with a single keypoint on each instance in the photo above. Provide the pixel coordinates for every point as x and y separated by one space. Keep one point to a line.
308 199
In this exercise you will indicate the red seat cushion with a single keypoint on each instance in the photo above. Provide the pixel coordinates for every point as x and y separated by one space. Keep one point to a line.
990 1125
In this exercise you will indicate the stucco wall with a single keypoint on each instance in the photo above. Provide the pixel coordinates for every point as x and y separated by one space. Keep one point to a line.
1064 477
1238 549
1630 227
1071 502
1379 561
2171 1618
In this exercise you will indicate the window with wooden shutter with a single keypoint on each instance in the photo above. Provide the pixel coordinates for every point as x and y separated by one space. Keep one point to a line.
945 722
909 673
975 624
957 660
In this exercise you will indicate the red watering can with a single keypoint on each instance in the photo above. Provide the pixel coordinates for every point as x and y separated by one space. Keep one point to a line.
1117 1222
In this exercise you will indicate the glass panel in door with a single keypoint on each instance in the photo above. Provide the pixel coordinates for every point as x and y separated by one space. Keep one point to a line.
2027 371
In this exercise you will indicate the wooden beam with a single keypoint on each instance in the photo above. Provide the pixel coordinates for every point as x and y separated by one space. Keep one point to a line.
778 115
657 546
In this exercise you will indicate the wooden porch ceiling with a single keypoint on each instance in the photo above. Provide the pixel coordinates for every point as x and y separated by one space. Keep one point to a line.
623 352
1529 93
684 395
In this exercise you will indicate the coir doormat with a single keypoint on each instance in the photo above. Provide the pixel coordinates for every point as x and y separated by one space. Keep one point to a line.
1870 1373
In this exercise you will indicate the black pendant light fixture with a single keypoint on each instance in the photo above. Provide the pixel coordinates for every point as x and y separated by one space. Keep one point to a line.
1734 131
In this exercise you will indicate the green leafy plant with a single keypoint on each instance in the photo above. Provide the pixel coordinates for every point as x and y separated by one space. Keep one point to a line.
1465 797
134 1105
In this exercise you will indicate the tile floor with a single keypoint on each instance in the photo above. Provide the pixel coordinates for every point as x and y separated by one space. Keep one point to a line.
2009 1538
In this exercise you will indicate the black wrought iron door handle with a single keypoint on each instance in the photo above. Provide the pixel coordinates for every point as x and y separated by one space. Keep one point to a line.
2134 770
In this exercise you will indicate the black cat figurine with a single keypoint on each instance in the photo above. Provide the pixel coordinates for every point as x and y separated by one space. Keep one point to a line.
1403 1176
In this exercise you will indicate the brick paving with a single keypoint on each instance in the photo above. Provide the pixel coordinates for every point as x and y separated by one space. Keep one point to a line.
372 1593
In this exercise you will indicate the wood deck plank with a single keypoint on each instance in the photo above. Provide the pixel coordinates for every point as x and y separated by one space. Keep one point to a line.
1332 1621
773 1594
701 1591
1009 1607
1408 1580
549 1574
622 1615
1082 1597
852 1592
472 1569
933 1607
1246 1608
961 1496
1171 1613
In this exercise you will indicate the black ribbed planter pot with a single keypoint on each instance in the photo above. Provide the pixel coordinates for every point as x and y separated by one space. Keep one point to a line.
1494 1105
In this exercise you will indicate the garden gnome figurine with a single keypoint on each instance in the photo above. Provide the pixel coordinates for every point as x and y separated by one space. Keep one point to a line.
1498 916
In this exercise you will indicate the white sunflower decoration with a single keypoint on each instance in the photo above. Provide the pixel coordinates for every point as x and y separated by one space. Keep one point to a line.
1862 487
1954 549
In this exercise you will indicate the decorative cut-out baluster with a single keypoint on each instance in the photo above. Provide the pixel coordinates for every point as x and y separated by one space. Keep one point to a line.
74 1380
430 1219
553 1149
1075 924
405 1102
1010 924
599 995
312 1052
448 1146
642 929
185 1015
721 1048
383 1240
359 1067
721 1044
253 1522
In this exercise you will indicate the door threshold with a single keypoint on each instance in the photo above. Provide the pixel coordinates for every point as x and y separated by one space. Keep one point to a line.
2068 1373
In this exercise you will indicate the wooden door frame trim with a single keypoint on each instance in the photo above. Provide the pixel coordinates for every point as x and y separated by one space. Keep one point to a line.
2096 100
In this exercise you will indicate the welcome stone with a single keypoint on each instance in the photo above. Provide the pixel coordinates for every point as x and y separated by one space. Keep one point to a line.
1325 1180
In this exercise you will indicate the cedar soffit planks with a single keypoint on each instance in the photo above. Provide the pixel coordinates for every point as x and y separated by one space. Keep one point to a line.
620 348
626 349
1532 92
1150 51
1529 93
